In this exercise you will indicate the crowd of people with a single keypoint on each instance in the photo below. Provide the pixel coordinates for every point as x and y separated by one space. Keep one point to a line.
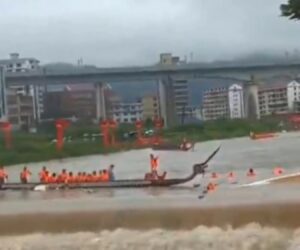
232 177
47 177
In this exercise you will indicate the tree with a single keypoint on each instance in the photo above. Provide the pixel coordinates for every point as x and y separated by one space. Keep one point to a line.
291 9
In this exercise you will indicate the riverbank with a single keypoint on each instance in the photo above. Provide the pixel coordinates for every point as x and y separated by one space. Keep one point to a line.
38 147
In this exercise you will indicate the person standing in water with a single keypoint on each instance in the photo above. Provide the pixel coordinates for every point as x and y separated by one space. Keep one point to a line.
25 175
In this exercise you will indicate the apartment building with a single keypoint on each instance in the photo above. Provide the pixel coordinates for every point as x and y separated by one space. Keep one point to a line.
126 112
272 100
215 104
150 107
223 103
79 101
20 109
236 101
15 64
293 96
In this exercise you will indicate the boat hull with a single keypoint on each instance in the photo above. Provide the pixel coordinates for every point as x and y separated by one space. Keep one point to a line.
101 185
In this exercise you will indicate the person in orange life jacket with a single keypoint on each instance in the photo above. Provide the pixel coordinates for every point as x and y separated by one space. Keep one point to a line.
95 177
154 163
3 175
211 187
105 176
42 174
24 176
52 179
62 178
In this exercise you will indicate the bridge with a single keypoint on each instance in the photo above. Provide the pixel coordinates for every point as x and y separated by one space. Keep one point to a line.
186 71
163 73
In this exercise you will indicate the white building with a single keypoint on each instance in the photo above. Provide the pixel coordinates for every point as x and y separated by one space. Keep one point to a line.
16 64
126 112
236 101
293 95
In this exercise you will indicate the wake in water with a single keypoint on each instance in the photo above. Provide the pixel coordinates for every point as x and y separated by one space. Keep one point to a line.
250 237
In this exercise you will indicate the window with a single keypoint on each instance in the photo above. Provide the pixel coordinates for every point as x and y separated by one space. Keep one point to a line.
125 120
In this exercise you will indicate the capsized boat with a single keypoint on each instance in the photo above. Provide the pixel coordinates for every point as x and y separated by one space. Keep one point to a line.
133 183
173 147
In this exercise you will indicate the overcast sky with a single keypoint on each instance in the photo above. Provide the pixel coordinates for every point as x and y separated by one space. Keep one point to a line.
133 32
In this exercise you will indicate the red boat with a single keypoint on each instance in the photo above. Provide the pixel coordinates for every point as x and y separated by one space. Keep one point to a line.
259 136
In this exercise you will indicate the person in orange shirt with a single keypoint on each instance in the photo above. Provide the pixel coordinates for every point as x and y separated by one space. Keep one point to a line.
52 178
42 174
83 178
62 178
95 177
89 178
3 175
71 178
25 175
211 187
78 177
100 176
154 163
105 175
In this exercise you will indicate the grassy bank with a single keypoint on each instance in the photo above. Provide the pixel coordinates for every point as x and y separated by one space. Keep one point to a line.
38 147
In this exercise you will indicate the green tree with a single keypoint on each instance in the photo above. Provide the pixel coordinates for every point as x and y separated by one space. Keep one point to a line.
291 9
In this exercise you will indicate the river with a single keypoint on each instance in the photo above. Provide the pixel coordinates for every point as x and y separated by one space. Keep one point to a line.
233 217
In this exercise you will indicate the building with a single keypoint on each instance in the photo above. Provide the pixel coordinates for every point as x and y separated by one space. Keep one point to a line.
126 112
54 105
167 102
20 109
293 96
16 64
79 101
251 103
181 95
236 101
272 100
215 104
223 102
150 107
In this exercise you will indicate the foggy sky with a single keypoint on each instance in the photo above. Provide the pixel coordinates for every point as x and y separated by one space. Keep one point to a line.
133 32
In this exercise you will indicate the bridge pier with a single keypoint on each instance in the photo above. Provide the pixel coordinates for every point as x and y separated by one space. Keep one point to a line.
3 101
167 101
101 109
251 103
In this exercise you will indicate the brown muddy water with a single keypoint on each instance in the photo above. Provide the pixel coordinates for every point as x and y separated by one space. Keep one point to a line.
233 217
